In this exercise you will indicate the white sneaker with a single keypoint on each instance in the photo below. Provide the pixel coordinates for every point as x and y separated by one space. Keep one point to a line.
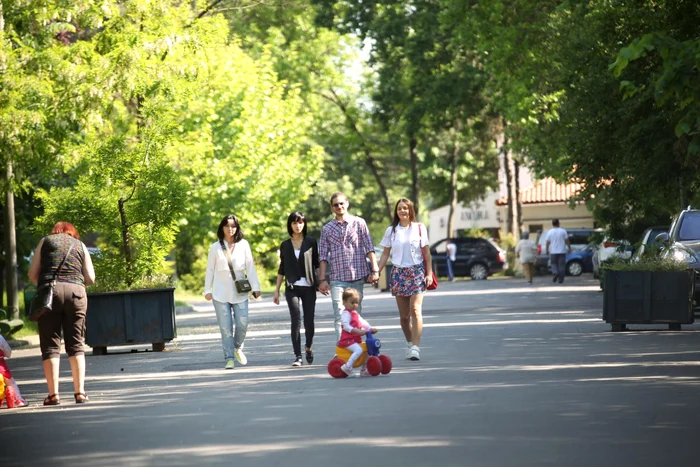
409 345
415 353
240 356
346 369
229 365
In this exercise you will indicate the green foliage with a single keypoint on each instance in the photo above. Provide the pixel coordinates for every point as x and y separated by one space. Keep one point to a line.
131 197
645 263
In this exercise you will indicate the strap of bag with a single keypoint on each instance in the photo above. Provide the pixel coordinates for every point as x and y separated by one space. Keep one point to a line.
420 234
228 258
58 270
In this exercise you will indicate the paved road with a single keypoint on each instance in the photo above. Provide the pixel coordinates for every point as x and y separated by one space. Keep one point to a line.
511 376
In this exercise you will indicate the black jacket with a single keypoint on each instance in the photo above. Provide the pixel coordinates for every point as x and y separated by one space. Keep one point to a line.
306 266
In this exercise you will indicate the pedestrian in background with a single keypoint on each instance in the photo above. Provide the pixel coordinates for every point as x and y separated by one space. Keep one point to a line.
451 256
219 287
63 258
298 265
527 252
557 246
345 246
407 240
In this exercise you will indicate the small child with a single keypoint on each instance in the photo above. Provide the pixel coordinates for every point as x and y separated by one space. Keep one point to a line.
6 352
354 327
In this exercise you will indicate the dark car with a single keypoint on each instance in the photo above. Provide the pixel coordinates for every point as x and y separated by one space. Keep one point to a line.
580 261
477 258
682 242
578 238
648 242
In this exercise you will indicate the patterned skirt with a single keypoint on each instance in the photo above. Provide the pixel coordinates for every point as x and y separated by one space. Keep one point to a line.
408 281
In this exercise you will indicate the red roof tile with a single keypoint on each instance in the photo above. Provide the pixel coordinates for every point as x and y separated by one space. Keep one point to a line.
545 191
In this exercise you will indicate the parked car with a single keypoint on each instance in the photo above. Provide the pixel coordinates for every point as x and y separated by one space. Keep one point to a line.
579 239
580 261
649 241
682 242
609 248
477 258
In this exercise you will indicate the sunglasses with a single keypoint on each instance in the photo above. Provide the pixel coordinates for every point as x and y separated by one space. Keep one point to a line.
337 205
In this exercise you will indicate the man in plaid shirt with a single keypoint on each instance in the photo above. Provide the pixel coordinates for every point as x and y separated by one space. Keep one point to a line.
345 244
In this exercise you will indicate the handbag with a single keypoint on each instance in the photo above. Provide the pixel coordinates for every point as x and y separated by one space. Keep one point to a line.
434 285
42 302
242 285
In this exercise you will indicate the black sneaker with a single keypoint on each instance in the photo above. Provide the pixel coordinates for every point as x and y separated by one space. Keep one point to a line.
309 357
297 362
554 279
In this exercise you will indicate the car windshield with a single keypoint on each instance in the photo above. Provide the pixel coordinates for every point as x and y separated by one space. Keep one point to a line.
652 236
690 228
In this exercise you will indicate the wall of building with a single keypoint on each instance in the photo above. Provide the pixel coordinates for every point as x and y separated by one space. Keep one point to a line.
481 214
539 216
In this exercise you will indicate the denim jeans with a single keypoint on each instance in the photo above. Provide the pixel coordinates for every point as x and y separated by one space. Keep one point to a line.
558 266
226 313
337 289
450 269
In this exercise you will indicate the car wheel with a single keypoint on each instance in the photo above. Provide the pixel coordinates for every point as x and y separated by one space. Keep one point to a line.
478 272
574 268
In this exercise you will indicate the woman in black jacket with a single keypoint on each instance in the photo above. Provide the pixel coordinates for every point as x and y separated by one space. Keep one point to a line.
299 264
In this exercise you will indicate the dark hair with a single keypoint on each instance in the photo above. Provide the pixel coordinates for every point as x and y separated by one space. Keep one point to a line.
555 222
65 228
295 217
411 213
238 236
338 194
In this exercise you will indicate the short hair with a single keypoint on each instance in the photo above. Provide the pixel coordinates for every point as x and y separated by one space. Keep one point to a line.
555 222
296 216
338 194
65 228
350 293
238 236
525 234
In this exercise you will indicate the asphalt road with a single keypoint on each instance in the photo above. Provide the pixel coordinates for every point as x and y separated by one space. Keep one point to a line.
510 375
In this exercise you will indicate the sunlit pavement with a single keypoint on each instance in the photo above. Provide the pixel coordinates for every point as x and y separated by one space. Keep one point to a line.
511 375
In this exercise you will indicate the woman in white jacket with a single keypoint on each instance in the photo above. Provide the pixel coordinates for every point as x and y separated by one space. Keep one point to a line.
220 288
527 252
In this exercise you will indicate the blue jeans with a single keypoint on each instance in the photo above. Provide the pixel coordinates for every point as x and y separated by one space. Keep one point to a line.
558 266
337 288
226 313
450 269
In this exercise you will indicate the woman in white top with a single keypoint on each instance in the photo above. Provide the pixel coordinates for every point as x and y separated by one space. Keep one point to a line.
527 252
220 288
406 240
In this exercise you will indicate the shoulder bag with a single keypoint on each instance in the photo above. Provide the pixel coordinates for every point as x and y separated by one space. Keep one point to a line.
434 285
242 285
43 299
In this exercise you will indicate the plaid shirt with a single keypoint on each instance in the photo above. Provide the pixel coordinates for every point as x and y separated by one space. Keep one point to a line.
344 245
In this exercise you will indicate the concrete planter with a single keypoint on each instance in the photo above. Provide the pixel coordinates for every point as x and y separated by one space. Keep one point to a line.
648 297
130 317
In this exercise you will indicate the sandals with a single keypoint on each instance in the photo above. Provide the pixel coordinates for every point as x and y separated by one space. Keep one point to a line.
52 399
80 398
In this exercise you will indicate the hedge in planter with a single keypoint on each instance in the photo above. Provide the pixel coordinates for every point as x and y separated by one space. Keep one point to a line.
653 291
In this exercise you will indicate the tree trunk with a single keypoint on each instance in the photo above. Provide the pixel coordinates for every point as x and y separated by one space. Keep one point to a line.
454 157
509 190
11 247
517 205
415 186
125 242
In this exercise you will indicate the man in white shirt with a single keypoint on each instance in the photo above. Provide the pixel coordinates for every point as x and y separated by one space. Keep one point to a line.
557 246
451 255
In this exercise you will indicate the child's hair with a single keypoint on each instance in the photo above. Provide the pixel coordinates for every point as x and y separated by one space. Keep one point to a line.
350 293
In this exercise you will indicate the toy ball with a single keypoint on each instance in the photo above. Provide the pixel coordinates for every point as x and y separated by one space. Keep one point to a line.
374 366
386 364
334 368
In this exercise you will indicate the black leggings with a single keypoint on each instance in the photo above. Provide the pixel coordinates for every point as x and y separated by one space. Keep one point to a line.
308 300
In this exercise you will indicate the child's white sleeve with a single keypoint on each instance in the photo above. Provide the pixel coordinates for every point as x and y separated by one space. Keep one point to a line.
345 320
5 347
364 324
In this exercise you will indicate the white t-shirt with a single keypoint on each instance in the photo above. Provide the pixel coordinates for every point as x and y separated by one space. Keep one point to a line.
406 244
557 241
452 251
302 280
